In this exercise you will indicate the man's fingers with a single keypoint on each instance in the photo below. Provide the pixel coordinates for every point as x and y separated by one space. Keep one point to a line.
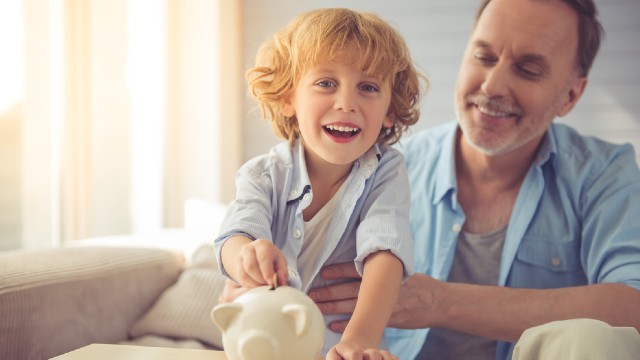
337 307
338 326
331 293
340 271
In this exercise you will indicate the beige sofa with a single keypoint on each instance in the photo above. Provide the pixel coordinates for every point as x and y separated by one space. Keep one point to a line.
56 300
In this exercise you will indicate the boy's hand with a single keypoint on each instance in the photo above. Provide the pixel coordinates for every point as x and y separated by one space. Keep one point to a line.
257 262
351 351
231 291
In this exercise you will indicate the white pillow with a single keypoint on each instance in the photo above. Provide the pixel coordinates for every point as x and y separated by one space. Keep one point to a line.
183 310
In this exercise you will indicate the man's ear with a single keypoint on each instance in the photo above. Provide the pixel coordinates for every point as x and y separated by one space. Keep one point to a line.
574 94
286 105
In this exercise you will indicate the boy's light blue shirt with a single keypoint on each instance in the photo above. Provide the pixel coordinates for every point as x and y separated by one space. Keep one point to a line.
576 220
272 190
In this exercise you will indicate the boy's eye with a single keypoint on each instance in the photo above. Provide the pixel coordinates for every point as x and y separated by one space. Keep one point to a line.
325 83
368 88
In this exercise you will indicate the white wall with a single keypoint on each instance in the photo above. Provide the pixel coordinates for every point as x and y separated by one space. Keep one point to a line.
436 32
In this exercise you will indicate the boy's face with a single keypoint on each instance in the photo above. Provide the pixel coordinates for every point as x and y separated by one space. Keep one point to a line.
340 110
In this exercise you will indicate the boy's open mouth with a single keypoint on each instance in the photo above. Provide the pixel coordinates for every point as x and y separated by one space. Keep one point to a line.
341 131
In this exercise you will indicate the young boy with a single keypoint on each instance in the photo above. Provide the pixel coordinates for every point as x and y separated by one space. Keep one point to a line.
339 86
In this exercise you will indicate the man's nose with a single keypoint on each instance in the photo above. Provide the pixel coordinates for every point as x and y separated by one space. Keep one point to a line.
496 80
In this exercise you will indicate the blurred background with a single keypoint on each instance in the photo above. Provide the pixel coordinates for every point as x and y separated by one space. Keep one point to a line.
114 113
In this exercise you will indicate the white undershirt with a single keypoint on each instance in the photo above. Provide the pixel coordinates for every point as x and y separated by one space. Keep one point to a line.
315 231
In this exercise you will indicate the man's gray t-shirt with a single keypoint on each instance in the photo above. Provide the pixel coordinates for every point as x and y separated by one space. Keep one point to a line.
476 261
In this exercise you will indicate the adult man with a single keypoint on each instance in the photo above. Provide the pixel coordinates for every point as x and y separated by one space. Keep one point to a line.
507 198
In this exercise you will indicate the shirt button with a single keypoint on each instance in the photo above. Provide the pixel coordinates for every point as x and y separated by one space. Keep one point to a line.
456 228
297 234
293 192
555 261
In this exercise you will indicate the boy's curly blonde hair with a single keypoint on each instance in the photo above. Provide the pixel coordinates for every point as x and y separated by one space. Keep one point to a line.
382 53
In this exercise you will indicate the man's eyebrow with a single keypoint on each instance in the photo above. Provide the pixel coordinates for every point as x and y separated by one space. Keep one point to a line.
537 58
528 57
482 44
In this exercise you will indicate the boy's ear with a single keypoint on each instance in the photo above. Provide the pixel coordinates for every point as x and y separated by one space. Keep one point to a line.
388 121
286 105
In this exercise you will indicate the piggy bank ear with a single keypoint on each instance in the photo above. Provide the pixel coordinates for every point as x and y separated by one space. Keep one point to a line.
223 314
300 316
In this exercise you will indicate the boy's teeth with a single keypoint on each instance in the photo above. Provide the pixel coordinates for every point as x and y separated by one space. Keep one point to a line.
341 128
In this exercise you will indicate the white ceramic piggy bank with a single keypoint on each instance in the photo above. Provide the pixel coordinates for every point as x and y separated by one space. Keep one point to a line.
270 324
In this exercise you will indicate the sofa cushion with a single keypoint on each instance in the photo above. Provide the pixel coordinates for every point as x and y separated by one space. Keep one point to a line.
183 310
55 300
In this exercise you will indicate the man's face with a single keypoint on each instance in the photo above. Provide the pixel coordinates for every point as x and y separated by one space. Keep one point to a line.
518 72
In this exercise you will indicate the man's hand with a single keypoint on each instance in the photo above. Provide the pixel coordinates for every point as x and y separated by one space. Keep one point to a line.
340 298
494 312
414 308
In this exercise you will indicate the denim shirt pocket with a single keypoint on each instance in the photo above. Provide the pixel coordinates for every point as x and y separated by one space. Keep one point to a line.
543 263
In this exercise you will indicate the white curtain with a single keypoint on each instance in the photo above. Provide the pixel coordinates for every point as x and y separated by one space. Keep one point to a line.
121 118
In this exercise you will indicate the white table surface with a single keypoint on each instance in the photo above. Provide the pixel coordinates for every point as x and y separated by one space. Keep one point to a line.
131 352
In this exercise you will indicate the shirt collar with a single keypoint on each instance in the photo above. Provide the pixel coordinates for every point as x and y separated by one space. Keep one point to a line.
367 163
300 183
446 160
548 149
446 166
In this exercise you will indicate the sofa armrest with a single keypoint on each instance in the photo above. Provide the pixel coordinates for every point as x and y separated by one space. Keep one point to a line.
53 301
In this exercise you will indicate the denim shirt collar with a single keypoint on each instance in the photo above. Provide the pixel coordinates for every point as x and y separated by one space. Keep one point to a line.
447 163
548 149
446 167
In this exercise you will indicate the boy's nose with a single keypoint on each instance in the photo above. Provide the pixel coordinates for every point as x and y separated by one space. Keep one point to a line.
345 101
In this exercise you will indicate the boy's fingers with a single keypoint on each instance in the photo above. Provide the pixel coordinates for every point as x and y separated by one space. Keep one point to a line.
266 264
281 270
253 268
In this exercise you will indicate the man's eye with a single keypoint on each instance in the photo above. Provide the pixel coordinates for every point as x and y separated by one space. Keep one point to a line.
531 72
484 59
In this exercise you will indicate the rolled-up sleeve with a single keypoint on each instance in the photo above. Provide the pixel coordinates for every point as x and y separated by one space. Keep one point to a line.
250 214
611 229
384 221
